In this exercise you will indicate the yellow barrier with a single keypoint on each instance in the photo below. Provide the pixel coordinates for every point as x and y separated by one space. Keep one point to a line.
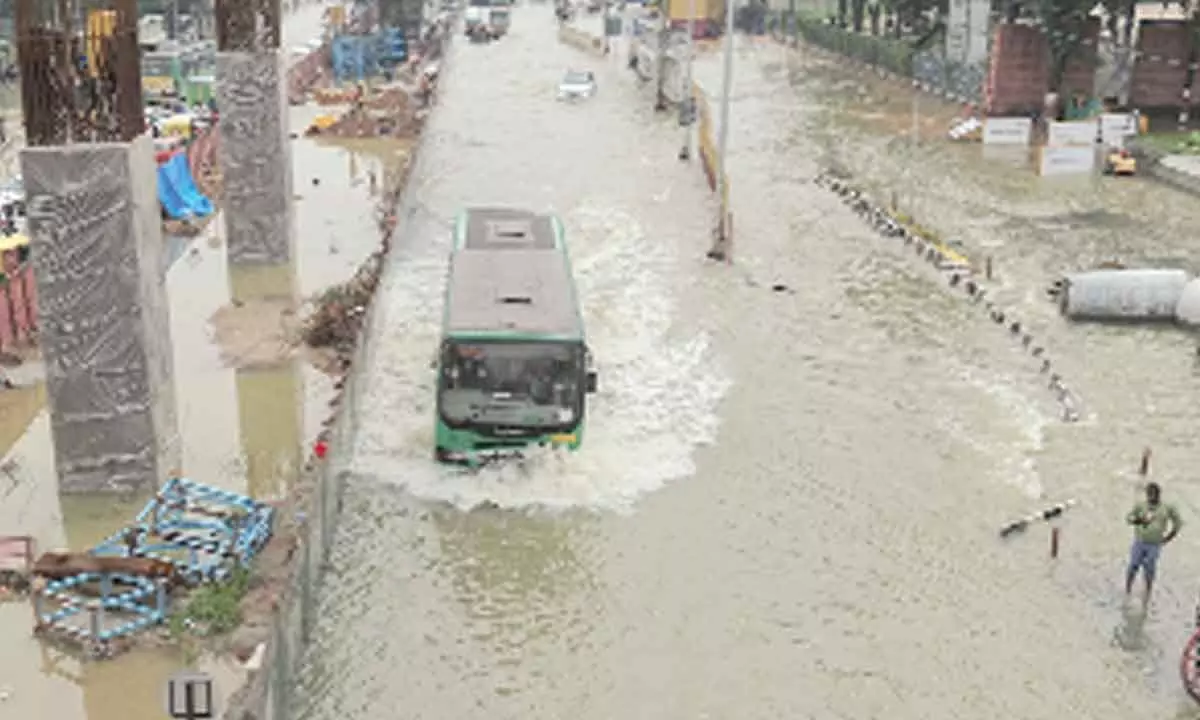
708 147
581 40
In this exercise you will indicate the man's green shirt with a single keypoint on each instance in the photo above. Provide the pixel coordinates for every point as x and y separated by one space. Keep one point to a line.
1162 516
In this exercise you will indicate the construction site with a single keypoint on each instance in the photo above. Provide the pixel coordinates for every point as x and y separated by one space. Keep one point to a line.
173 271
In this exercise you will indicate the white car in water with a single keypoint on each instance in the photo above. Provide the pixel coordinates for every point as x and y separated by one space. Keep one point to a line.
577 85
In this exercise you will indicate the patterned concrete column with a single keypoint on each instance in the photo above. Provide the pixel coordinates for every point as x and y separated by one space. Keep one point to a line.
105 330
255 158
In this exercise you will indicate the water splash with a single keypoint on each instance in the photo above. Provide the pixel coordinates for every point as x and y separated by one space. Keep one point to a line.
658 396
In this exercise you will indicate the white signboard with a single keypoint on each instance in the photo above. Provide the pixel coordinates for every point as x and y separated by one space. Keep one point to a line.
1115 127
1007 131
1078 134
1066 160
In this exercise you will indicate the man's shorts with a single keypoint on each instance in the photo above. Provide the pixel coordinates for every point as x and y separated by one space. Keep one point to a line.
1144 555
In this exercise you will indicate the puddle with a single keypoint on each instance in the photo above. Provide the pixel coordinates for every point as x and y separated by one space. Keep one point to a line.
243 428
42 681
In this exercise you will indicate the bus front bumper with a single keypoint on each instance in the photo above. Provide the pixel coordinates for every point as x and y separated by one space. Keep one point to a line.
487 456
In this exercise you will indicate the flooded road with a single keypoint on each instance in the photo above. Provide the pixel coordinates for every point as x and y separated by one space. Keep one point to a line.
788 502
243 425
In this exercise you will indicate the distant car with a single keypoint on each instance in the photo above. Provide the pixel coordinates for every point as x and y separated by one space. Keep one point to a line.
577 85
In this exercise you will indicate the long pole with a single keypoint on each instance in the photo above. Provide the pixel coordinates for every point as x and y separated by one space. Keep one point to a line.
914 140
723 133
689 98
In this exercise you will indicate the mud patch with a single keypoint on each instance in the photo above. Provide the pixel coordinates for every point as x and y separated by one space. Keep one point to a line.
256 333
18 407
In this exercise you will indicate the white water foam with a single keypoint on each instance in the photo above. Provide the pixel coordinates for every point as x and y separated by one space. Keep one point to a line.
657 399
1017 464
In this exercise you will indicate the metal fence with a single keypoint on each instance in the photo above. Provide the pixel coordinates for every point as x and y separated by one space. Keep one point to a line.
316 522
272 694
936 73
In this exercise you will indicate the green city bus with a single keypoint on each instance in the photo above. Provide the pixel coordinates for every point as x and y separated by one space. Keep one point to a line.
514 369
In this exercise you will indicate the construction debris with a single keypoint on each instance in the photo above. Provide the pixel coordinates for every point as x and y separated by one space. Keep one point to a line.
16 559
339 312
58 565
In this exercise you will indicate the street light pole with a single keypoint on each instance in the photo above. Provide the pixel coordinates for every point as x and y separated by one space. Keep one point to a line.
914 140
689 95
724 232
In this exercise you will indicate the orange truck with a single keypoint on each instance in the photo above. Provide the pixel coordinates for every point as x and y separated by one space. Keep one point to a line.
708 14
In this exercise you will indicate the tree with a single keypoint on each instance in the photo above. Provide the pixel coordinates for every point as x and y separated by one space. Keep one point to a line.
858 12
912 14
1065 24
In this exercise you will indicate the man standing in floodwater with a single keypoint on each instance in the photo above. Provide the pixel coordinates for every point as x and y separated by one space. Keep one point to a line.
1154 524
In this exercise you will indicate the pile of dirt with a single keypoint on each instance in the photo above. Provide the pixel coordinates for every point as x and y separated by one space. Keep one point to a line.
338 313
187 227
363 123
386 112
393 100
259 333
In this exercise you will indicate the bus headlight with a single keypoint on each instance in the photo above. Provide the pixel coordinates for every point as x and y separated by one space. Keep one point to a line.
563 438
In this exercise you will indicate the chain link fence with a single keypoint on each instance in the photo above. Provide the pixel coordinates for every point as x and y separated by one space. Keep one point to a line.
272 692
931 68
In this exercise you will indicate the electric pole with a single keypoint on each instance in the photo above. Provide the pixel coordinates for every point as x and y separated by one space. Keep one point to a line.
687 113
660 97
720 249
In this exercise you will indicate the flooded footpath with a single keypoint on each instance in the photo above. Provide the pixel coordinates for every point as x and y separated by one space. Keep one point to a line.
796 466
249 404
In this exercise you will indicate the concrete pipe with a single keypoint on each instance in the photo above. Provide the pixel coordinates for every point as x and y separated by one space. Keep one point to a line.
1187 310
1123 294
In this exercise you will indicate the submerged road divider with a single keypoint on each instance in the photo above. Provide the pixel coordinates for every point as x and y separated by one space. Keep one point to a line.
1050 513
581 40
959 271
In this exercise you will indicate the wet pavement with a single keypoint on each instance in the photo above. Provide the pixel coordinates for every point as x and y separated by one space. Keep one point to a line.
245 428
788 502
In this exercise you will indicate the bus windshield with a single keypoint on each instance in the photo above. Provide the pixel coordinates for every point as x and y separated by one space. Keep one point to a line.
516 384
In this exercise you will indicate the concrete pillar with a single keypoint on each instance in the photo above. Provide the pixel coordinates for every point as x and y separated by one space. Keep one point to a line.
95 227
255 158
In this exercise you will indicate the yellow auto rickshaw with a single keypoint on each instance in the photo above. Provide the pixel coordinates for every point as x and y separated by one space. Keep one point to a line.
177 126
1120 162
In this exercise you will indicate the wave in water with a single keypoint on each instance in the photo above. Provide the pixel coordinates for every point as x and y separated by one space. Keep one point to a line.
657 399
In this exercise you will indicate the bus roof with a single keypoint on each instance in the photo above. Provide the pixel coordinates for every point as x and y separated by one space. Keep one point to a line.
506 229
509 275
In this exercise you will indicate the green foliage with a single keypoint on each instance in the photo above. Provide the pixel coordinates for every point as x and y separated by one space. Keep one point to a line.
884 52
212 609
1064 22
1173 143
916 15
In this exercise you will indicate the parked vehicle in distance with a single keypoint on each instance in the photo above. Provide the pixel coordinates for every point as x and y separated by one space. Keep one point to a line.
577 85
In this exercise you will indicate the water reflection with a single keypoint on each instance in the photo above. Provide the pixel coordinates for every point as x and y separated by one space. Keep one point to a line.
248 283
523 587
271 411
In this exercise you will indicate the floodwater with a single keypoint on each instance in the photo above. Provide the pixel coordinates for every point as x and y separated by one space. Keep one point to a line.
243 428
788 502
